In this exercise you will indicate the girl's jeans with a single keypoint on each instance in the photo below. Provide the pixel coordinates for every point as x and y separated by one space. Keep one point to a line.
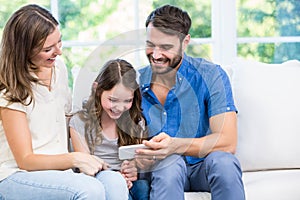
140 190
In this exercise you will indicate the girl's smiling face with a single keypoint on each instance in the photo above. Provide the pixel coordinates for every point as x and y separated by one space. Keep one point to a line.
117 100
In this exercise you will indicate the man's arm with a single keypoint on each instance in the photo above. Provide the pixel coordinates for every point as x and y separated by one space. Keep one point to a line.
223 138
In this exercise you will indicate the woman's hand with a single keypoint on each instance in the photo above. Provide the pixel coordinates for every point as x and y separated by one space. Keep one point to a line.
88 164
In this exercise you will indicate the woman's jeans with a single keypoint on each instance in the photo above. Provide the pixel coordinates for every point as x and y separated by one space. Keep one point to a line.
56 185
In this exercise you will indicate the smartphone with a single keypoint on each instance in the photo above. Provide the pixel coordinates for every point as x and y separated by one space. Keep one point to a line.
128 152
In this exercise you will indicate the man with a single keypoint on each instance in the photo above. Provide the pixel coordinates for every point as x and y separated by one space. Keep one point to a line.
191 115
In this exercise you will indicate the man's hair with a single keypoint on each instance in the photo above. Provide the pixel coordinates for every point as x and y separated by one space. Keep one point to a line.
170 20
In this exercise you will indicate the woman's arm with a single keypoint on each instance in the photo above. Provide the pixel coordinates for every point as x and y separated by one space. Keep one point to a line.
18 135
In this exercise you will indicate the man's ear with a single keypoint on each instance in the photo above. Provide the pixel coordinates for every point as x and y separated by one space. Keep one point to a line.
186 41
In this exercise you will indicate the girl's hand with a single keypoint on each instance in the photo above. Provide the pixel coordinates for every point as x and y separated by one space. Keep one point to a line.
88 164
129 184
145 163
129 170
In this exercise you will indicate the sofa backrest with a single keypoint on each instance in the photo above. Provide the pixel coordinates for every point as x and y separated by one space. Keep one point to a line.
267 97
82 87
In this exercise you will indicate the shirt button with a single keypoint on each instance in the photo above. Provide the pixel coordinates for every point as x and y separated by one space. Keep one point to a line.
164 113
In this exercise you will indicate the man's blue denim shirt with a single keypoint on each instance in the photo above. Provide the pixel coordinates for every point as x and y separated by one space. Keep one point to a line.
202 90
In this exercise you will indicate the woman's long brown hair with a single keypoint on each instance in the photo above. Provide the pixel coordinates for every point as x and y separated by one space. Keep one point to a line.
23 37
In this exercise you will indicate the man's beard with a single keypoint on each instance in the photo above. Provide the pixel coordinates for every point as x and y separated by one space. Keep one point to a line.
173 63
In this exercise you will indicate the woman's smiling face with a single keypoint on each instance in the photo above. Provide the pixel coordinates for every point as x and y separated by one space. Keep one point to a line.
51 49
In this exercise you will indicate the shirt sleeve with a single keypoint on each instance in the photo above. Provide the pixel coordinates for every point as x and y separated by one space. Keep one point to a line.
14 106
220 93
77 124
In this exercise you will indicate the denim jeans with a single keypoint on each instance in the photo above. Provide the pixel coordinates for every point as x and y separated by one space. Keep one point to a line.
114 184
54 185
219 173
140 190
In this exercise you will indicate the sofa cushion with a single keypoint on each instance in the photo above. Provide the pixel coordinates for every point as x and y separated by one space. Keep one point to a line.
263 185
271 185
268 101
197 196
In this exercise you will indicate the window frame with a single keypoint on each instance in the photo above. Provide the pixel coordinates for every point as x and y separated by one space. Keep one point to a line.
224 38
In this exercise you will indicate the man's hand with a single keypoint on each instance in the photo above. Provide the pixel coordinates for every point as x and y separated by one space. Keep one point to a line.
161 146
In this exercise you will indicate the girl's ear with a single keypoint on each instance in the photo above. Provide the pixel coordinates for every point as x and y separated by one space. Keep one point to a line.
95 84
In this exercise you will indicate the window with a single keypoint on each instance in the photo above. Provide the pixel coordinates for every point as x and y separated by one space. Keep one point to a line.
97 30
268 30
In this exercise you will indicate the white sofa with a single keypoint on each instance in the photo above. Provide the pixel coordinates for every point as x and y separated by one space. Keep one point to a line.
268 100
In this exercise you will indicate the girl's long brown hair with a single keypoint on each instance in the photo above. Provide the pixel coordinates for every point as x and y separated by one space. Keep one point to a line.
131 127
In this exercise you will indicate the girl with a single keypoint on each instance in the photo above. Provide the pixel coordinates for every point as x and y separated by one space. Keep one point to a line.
34 158
110 118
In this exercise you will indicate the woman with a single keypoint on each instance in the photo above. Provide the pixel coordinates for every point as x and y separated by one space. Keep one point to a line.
34 158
